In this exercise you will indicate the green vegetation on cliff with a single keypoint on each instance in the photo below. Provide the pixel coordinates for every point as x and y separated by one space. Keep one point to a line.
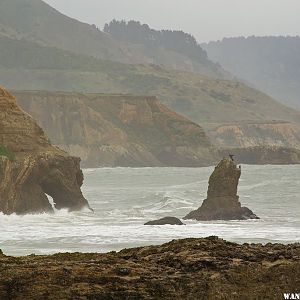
4 151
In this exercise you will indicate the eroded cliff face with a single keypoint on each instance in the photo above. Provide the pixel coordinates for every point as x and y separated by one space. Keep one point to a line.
243 135
119 130
35 168
137 131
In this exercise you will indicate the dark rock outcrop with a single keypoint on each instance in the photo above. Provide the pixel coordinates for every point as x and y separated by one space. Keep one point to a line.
37 168
202 269
222 201
165 221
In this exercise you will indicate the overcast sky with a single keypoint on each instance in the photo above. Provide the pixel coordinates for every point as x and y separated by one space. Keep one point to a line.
206 19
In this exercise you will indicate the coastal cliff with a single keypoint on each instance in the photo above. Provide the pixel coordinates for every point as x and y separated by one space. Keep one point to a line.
253 134
262 155
31 168
107 130
207 269
269 142
119 130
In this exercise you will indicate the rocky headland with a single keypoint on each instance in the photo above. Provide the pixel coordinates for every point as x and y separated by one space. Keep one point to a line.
222 202
31 168
208 268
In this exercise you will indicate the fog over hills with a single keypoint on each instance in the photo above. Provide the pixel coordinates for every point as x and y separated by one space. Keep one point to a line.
271 64
49 51
114 115
207 20
28 66
179 46
36 21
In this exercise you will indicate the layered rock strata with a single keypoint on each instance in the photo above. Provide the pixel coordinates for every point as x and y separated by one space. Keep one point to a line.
119 130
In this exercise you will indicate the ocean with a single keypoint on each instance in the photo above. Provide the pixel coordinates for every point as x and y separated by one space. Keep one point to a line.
125 198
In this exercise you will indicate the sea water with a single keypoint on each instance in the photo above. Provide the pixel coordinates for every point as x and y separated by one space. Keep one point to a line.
125 198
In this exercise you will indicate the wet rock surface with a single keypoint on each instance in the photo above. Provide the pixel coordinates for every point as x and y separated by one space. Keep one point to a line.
34 168
222 201
209 268
165 221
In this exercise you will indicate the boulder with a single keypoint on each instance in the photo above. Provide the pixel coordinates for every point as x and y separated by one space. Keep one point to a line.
222 201
165 221
31 168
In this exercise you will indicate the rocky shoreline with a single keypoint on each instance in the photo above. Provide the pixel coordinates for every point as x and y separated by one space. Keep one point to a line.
205 268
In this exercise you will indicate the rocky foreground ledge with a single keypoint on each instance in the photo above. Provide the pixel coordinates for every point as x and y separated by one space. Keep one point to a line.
209 268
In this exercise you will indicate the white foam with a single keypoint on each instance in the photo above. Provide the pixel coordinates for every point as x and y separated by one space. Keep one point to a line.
124 199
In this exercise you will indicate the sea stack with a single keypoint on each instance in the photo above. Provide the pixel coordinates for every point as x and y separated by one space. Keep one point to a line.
31 168
222 201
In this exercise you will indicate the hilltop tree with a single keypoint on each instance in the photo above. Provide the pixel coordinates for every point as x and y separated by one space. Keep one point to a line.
137 33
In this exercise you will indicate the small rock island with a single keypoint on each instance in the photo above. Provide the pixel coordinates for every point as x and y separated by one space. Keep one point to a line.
165 221
222 201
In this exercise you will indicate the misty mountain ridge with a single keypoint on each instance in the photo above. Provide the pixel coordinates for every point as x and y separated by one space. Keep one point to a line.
28 65
156 41
269 63
39 56
36 21
137 33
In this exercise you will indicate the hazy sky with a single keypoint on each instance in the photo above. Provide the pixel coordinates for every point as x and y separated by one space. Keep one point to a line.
206 19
